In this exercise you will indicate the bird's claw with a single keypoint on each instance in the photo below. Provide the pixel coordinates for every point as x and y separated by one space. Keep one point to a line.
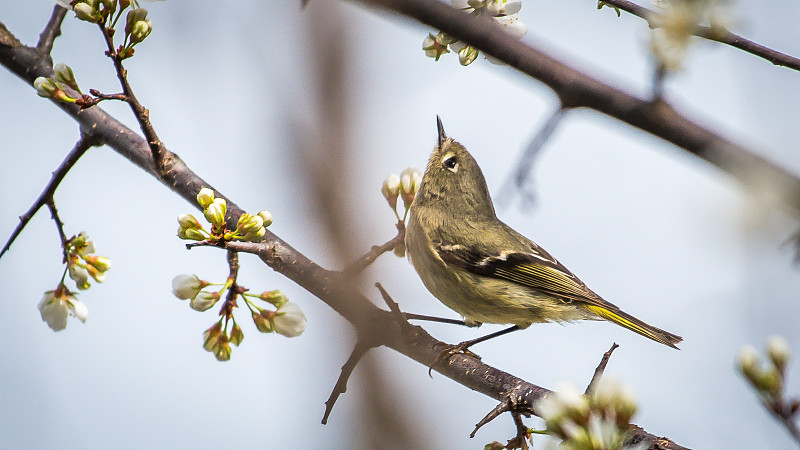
450 351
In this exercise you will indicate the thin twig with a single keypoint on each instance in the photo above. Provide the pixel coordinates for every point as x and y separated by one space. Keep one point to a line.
501 407
83 144
51 205
341 384
521 439
520 179
598 372
721 35
393 306
142 114
52 30
378 250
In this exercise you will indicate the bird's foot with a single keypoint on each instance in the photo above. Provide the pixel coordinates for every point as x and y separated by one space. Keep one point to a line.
450 351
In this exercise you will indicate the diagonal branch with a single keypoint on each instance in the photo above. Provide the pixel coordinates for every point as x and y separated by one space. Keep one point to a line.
46 197
52 30
720 35
576 89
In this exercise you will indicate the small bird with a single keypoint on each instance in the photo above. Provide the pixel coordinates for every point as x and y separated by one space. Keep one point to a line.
484 270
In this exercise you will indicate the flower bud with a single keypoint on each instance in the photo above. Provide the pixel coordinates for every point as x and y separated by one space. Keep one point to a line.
249 223
101 263
141 30
86 12
236 334
96 274
289 320
266 216
255 236
79 274
770 381
190 234
211 336
407 190
391 189
779 352
467 55
749 363
187 286
262 323
215 213
275 297
63 73
203 301
205 197
189 221
223 351
134 16
46 87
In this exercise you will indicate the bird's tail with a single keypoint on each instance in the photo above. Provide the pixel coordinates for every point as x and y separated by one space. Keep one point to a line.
632 323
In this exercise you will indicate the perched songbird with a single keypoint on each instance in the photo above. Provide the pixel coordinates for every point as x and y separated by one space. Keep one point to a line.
484 270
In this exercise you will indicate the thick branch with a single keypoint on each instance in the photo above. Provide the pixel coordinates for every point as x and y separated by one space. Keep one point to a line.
577 89
713 34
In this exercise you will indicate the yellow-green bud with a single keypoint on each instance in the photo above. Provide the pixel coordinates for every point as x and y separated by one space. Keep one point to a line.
236 335
391 189
266 216
134 16
249 223
141 30
204 300
223 352
275 297
86 12
211 336
779 352
262 323
749 363
255 236
467 55
190 234
101 263
63 73
770 381
205 197
46 87
215 213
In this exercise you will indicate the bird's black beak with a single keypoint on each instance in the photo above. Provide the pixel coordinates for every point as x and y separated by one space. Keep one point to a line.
442 136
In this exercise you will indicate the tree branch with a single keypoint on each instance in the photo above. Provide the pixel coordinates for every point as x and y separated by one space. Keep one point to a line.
46 197
720 35
576 89
52 30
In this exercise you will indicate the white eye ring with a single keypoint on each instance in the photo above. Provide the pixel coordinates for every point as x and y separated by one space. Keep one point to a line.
450 162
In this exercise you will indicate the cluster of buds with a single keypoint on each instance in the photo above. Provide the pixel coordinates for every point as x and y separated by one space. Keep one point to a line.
82 264
94 11
504 13
53 87
675 21
218 339
769 380
595 421
108 13
57 304
287 318
406 187
250 227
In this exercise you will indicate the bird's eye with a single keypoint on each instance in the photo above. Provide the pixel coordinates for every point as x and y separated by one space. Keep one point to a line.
451 164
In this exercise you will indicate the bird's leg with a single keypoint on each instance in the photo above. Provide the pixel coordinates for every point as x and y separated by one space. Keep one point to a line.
412 316
464 347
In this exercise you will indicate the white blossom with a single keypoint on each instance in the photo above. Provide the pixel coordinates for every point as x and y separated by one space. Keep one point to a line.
289 320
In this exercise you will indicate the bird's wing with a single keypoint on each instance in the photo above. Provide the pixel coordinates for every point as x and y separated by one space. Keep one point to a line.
535 269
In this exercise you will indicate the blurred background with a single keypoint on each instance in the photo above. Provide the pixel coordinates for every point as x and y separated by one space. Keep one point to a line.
304 113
